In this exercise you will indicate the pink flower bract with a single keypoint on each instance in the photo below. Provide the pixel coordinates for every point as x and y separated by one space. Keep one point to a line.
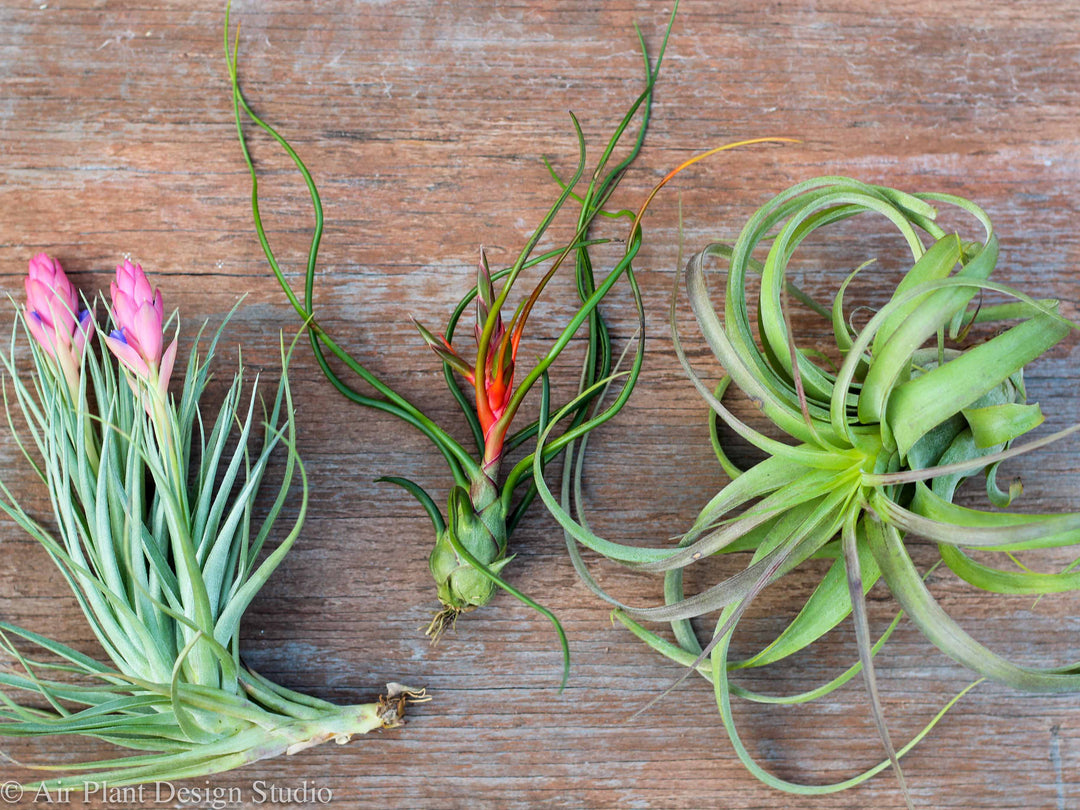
52 309
137 340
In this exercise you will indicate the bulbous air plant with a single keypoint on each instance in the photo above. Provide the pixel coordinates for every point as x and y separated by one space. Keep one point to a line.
879 446
156 532
471 547
480 524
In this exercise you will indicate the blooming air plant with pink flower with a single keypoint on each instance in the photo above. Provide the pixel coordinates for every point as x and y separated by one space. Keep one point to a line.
485 502
155 531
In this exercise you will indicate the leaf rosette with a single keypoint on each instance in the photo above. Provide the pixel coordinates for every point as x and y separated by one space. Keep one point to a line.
872 453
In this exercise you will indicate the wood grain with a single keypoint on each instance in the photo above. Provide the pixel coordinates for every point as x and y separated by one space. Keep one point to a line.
425 123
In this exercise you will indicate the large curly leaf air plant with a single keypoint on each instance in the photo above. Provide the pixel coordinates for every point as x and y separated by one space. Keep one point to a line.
881 444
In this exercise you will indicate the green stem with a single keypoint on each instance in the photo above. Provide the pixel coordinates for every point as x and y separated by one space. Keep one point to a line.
461 464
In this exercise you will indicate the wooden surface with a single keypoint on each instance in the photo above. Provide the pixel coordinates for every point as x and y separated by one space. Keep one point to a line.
425 123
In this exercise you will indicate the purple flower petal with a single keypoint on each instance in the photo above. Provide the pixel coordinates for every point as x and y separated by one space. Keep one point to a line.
128 356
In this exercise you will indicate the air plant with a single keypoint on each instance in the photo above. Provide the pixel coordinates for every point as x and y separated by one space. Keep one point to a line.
484 505
155 528
880 445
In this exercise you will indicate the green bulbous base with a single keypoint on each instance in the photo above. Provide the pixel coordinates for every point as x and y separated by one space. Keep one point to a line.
475 536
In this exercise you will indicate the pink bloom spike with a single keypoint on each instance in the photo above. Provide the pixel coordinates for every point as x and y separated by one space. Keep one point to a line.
53 316
138 313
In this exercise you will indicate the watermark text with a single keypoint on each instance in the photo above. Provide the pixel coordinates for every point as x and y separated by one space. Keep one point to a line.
212 797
